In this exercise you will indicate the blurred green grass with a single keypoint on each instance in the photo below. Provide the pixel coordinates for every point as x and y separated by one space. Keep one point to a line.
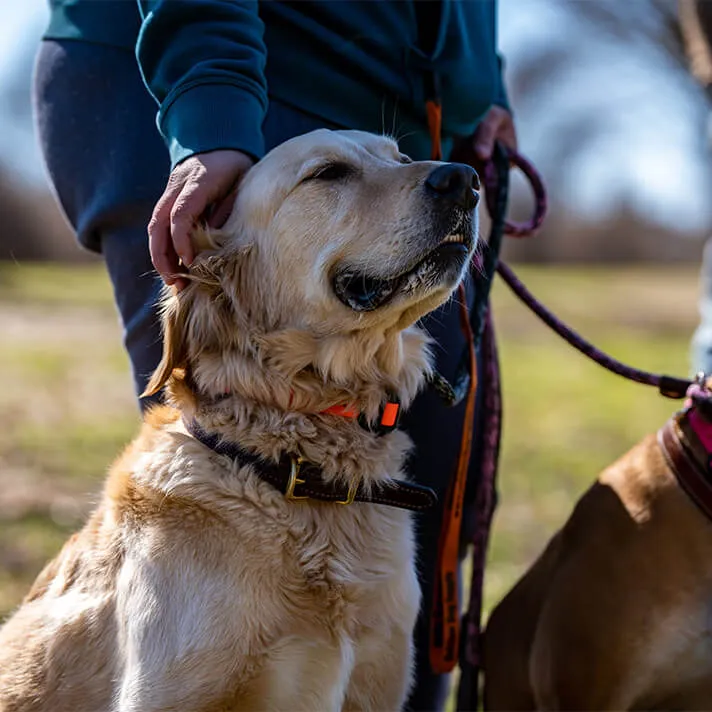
67 407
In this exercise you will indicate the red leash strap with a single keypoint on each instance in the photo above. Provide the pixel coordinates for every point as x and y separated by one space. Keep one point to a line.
445 614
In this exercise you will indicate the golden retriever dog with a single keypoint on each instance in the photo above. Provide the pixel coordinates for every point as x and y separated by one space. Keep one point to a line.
616 614
197 584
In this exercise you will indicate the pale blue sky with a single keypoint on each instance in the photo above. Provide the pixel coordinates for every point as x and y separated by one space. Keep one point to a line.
647 149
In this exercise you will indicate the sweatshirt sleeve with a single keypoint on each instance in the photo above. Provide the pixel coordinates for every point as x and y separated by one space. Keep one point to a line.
203 61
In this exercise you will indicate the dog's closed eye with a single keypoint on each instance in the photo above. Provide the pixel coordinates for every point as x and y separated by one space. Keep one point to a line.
332 172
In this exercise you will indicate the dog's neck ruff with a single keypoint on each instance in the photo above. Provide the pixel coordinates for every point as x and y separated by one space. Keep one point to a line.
299 480
686 442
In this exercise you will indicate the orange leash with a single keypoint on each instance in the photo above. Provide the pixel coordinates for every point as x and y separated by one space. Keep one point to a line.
445 613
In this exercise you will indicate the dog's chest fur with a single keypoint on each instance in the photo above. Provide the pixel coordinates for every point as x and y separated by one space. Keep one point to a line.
338 557
198 559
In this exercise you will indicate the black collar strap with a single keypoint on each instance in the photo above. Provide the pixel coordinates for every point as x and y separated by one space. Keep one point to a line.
297 479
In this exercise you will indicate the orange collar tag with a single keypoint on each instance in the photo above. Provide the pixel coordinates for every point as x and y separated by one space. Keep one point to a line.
387 421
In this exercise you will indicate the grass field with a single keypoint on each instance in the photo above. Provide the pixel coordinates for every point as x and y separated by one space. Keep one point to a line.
66 403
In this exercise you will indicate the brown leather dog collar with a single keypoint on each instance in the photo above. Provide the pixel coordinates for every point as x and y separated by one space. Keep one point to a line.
298 479
688 459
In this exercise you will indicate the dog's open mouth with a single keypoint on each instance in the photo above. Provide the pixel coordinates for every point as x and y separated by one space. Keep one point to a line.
362 292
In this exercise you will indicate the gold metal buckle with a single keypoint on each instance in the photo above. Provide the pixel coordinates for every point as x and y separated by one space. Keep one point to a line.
351 494
294 479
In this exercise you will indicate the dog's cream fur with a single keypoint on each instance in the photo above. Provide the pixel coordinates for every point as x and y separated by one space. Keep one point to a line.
197 586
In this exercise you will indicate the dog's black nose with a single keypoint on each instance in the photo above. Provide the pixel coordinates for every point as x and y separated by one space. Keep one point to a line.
455 182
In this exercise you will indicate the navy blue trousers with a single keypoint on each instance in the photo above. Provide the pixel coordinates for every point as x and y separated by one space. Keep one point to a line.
108 166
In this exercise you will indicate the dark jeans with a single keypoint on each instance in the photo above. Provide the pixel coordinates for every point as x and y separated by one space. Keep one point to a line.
108 166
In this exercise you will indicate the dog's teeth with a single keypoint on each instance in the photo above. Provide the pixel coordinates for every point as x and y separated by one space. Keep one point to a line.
453 238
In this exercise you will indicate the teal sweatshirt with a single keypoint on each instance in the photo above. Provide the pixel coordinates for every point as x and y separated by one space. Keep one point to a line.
212 64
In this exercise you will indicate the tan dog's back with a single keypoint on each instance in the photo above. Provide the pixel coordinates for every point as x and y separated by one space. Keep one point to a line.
615 614
70 610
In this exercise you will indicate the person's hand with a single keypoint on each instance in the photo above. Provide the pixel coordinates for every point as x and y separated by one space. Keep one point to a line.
196 184
476 150
497 125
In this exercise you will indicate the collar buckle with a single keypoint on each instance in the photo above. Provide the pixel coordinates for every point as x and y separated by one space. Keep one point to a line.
351 494
294 479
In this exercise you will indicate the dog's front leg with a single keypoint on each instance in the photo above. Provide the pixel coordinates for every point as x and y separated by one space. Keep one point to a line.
302 673
181 655
183 644
383 676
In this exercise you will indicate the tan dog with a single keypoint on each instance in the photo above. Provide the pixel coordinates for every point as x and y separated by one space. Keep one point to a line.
196 584
616 614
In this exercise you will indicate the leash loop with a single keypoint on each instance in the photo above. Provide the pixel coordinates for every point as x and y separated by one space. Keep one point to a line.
490 179
489 175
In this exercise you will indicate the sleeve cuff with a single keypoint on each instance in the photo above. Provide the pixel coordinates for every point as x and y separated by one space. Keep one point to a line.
210 117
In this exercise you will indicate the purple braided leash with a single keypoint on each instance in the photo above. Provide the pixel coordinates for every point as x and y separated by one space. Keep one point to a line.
489 178
668 386
490 424
471 654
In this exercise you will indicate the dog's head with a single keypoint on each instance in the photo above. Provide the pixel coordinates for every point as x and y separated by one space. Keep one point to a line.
337 244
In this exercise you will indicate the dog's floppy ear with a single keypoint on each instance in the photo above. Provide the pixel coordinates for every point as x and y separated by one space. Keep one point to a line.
174 345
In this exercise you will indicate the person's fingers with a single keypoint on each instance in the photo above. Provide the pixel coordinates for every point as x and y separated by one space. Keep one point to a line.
483 141
163 254
192 186
187 209
507 133
497 125
220 211
179 282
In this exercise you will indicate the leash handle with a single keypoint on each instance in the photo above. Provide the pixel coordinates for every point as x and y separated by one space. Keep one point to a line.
516 160
490 174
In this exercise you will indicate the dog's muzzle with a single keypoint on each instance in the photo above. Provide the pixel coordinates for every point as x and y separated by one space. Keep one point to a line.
445 243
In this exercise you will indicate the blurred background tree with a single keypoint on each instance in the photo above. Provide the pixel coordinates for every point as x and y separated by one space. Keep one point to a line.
606 108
